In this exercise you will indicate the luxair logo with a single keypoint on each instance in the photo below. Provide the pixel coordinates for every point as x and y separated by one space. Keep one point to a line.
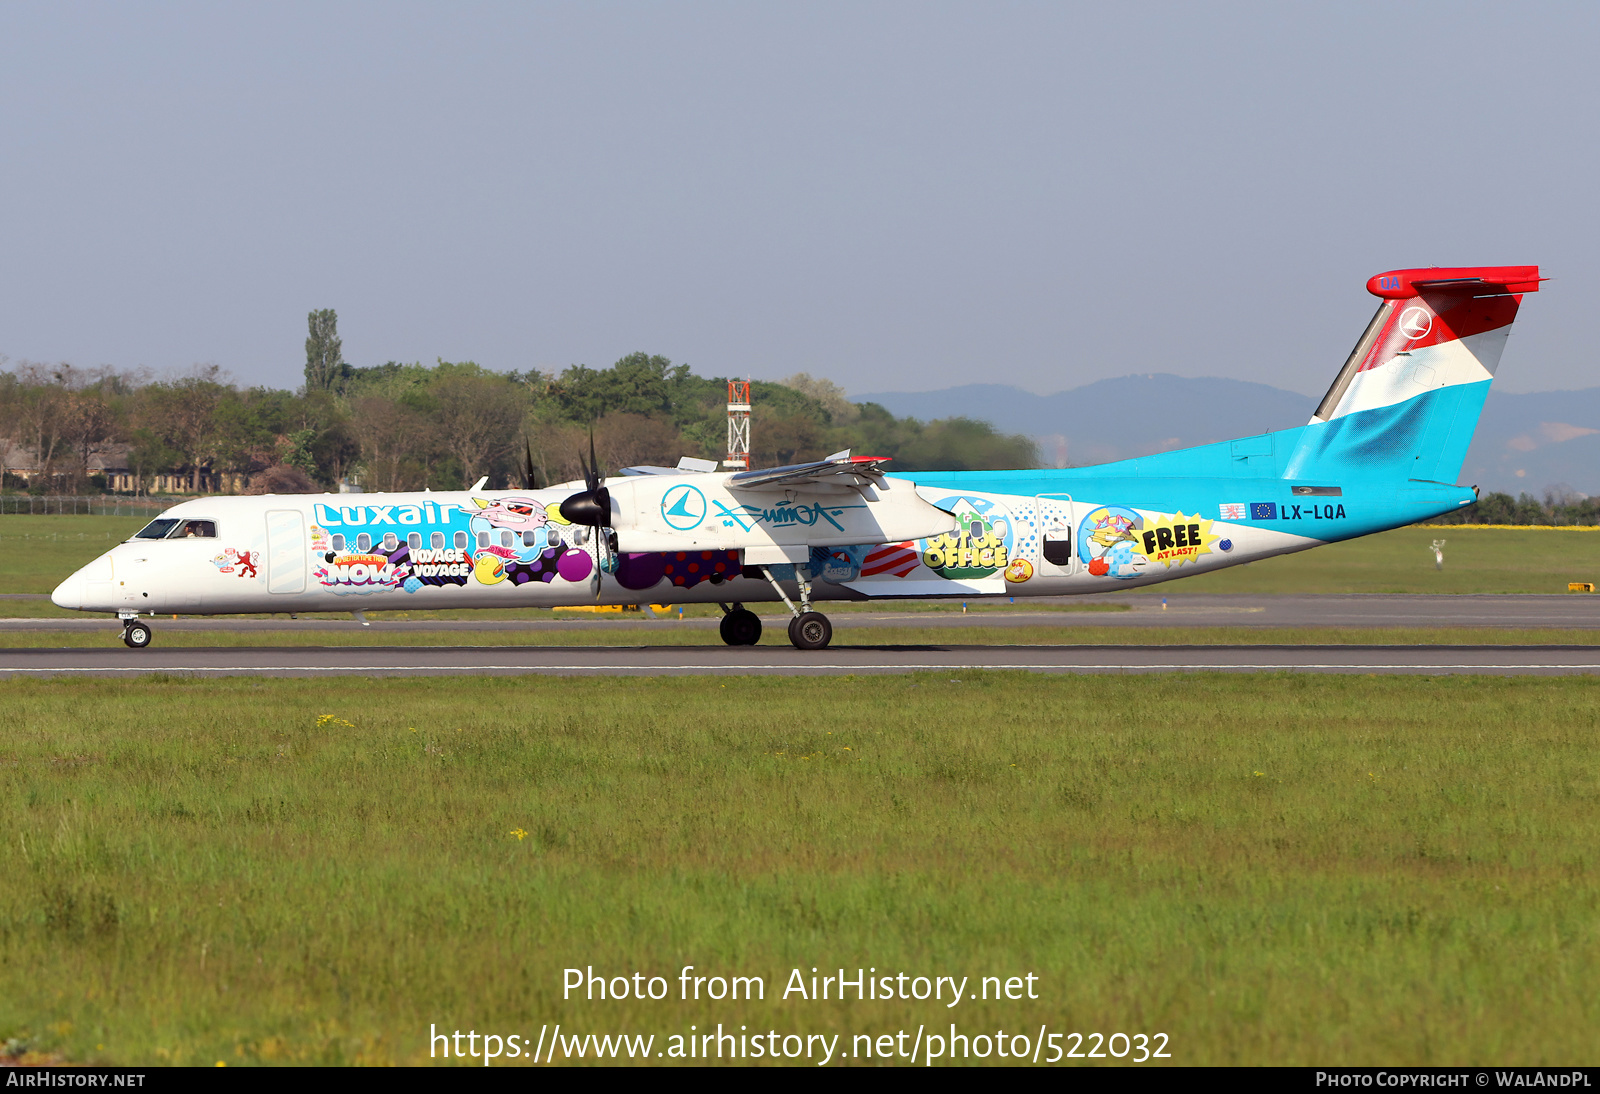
683 507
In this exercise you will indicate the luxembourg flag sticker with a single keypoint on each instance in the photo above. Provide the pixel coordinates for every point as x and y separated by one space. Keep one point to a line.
1231 510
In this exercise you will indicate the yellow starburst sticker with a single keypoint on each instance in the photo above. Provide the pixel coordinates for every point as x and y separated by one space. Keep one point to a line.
1174 540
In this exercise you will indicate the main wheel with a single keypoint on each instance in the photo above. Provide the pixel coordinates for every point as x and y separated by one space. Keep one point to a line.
810 631
741 627
136 635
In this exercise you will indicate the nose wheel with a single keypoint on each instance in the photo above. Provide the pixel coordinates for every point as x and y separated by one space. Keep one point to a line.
136 635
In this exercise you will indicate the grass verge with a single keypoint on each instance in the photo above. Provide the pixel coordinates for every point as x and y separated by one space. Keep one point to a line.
1269 869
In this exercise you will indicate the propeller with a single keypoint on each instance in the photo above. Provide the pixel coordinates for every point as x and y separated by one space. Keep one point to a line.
591 507
530 477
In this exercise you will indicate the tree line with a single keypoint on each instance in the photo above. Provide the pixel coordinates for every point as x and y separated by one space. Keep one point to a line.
399 426
1557 509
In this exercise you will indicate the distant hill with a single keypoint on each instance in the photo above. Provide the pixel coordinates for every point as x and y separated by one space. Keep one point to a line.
1548 440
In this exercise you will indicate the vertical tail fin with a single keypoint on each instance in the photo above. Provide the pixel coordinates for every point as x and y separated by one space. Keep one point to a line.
1407 401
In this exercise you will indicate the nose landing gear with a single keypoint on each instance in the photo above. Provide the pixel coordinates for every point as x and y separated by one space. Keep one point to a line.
135 635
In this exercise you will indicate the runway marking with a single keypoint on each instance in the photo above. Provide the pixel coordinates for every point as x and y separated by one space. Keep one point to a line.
706 668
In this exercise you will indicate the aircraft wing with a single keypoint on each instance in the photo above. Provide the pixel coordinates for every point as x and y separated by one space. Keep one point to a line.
841 468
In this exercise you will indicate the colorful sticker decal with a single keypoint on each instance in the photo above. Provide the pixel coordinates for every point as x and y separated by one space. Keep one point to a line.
1174 540
232 561
1018 570
980 545
519 541
898 559
1230 510
512 540
685 569
438 566
1263 510
1108 541
363 572
836 565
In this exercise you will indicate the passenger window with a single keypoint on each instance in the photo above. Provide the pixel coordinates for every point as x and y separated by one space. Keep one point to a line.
437 541
461 540
338 542
483 539
530 538
507 538
552 537
364 542
414 541
390 541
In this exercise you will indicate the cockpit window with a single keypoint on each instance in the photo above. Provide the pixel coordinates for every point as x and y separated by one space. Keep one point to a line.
157 529
178 528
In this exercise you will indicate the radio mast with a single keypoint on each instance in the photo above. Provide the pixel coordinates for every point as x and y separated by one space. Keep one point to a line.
738 425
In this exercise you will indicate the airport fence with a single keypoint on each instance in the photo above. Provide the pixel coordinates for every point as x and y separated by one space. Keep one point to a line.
101 505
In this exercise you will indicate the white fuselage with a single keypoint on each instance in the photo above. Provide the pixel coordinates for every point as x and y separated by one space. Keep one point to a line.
351 552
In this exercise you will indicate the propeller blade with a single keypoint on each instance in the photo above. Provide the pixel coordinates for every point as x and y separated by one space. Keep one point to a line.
591 506
530 478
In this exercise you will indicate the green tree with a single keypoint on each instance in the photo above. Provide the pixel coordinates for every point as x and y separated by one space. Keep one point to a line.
325 367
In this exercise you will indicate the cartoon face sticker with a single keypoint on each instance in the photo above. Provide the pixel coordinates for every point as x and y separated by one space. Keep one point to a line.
518 514
1107 539
1018 570
517 540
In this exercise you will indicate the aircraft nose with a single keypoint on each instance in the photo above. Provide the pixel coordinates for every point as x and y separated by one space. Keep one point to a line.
69 594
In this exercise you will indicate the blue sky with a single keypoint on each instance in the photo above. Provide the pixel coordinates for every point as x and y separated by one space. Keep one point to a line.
894 196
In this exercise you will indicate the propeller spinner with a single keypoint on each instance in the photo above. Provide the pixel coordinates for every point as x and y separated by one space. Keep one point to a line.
590 506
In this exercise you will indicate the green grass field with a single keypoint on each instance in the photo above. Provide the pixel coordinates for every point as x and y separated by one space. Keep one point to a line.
1476 560
37 552
1269 869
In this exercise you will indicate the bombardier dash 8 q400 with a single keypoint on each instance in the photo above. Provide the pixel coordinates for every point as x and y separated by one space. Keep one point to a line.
1383 450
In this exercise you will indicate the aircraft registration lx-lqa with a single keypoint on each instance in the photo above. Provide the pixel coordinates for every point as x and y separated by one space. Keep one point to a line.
1382 450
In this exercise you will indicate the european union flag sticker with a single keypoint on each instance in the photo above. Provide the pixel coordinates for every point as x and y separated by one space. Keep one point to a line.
1263 510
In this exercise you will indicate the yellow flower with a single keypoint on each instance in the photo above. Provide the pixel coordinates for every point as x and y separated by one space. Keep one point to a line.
520 833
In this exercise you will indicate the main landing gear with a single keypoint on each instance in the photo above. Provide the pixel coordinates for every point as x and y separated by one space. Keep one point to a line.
740 626
808 630
135 635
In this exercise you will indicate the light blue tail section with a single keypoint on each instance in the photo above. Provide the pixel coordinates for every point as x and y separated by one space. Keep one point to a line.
1424 438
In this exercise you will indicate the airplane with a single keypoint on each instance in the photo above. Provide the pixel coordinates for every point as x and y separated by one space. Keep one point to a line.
1382 450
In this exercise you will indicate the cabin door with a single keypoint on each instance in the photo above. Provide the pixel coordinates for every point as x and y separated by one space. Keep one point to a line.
286 551
1055 518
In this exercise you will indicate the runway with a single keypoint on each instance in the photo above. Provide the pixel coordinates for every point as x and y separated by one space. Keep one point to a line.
785 661
1142 610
